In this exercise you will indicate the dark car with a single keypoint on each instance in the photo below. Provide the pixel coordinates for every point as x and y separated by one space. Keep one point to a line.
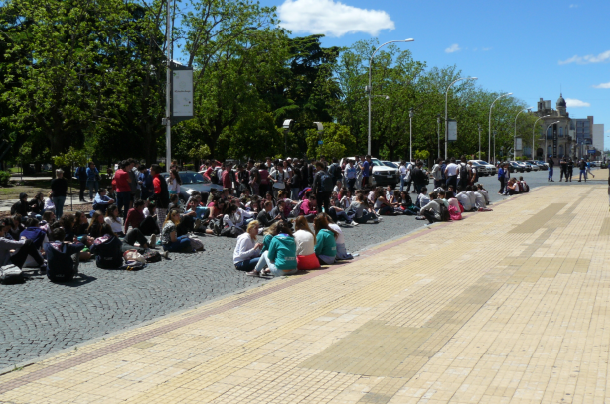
194 181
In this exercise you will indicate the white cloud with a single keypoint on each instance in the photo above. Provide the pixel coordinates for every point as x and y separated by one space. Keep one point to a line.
331 17
573 5
453 48
574 103
602 85
582 60
487 49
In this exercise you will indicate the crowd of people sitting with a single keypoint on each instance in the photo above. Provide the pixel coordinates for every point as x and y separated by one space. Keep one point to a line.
279 200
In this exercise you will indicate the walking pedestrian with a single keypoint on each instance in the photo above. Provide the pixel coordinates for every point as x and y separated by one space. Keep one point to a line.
93 176
551 164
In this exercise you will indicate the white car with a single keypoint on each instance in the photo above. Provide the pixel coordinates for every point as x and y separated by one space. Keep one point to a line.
383 175
490 168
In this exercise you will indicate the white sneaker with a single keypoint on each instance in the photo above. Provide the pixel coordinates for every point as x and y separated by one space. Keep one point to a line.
153 241
376 221
354 224
380 217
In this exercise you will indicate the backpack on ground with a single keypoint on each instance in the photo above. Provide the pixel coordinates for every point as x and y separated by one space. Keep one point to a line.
445 216
196 244
133 255
524 187
10 274
133 266
326 182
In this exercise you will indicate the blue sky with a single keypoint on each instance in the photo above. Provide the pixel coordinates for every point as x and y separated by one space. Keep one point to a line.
529 48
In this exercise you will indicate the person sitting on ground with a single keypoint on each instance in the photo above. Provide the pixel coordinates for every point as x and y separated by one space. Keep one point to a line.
512 187
135 217
279 210
114 220
363 213
21 207
38 236
480 201
63 257
342 253
48 218
67 222
16 226
305 240
281 258
81 224
188 223
232 222
326 244
337 187
309 207
406 205
264 217
432 210
22 248
523 187
169 234
337 213
422 198
102 201
247 251
268 235
483 192
49 205
107 248
345 199
37 205
95 226
466 201
382 206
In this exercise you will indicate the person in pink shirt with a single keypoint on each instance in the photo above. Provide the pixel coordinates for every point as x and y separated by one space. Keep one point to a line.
309 207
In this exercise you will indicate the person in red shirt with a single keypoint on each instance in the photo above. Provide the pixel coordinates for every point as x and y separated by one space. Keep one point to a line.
161 194
227 180
122 187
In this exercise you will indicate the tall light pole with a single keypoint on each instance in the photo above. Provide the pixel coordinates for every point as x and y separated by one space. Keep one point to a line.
492 105
546 140
446 95
410 135
495 133
515 141
168 91
369 89
479 125
534 131
438 134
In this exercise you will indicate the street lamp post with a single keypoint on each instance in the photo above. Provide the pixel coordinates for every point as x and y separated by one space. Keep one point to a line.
369 89
479 125
489 143
438 134
495 133
410 135
515 140
546 140
534 131
446 118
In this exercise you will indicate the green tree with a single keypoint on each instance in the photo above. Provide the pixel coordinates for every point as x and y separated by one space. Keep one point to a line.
337 141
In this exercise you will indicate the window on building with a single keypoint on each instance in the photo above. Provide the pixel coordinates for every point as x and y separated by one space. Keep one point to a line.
560 132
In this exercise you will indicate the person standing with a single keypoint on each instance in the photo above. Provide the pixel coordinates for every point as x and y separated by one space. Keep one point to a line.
463 174
570 169
351 173
123 188
278 178
582 165
436 174
93 176
295 180
501 178
322 187
563 169
135 187
145 182
418 177
551 164
59 186
451 172
161 194
81 175
366 171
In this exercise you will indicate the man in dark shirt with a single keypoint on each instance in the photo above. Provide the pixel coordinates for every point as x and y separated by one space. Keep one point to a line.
59 186
264 216
563 169
21 206
418 177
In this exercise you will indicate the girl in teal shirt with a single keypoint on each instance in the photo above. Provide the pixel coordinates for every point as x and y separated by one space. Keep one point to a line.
281 258
326 245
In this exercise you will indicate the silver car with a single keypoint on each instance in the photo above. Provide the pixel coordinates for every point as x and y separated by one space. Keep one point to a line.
194 181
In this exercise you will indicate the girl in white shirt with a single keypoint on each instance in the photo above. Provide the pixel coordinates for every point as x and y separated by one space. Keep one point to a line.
306 242
247 251
173 182
114 220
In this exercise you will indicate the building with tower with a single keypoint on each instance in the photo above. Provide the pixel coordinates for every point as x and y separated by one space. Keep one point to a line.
557 143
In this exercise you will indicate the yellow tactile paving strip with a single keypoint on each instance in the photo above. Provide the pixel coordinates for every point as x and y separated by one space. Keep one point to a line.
505 306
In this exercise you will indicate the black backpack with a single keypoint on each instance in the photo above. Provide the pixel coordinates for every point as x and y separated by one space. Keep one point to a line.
214 176
445 217
463 171
335 172
326 182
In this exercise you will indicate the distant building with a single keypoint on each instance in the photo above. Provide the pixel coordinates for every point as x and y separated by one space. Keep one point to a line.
558 141
598 138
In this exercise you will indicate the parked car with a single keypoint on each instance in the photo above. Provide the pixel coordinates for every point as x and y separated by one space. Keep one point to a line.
543 165
533 167
523 165
390 164
513 167
482 171
535 163
194 181
383 175
491 169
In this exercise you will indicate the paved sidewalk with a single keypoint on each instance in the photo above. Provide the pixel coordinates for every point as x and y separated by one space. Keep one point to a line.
505 306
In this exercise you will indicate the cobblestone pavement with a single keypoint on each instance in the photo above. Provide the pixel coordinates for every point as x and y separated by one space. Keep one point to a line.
513 310
41 317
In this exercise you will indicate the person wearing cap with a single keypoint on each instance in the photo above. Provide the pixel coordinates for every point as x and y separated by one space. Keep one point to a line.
59 186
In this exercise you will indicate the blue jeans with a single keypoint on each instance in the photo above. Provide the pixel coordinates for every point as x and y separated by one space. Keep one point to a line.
294 193
264 261
402 184
550 173
59 202
365 217
182 244
247 265
91 184
122 201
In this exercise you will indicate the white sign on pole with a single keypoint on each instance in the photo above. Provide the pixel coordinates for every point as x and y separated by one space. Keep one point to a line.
519 144
452 130
182 93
